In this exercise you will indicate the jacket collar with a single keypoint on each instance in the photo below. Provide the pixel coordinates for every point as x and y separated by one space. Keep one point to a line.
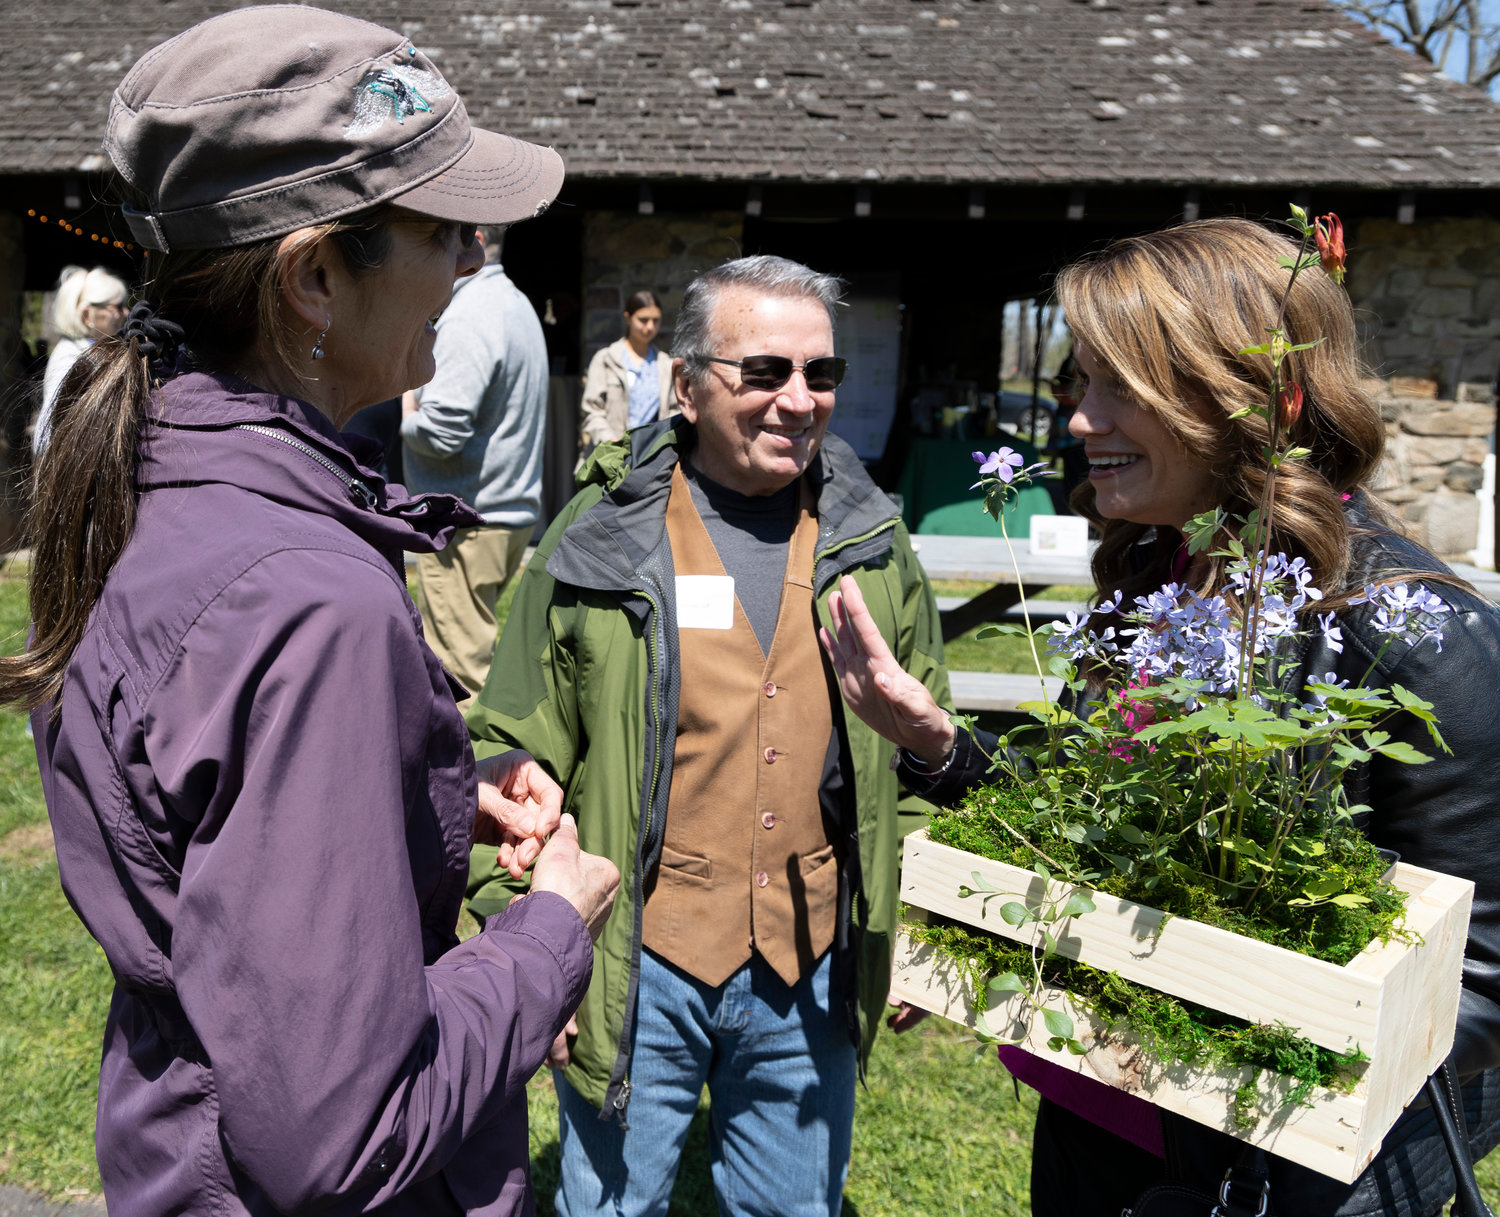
607 546
200 432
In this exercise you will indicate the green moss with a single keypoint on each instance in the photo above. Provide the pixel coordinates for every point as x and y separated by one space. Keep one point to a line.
1246 1105
1170 1030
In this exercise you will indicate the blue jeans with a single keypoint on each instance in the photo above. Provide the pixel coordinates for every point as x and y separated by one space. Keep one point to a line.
780 1069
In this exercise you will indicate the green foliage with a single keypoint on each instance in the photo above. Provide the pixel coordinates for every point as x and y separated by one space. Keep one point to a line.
997 822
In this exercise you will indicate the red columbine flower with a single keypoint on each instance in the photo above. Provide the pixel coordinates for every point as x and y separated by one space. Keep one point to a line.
1289 402
1329 235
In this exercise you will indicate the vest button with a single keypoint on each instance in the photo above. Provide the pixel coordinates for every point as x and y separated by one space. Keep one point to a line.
769 819
770 688
770 755
761 879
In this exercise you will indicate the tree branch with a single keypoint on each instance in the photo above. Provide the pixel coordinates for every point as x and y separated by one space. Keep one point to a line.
1430 27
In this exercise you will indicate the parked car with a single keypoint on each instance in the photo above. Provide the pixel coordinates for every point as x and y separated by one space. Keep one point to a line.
1018 416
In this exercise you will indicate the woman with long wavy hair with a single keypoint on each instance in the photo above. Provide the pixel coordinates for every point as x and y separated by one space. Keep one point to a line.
1161 323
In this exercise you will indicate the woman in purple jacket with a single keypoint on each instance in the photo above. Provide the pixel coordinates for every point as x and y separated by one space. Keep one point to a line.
260 786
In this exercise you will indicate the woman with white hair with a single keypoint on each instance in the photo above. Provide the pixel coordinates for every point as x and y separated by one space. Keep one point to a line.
89 305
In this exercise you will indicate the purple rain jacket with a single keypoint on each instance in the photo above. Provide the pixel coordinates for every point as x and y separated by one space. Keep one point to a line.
263 794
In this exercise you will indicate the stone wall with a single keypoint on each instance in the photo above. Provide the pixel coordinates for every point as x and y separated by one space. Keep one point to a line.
1428 297
625 252
1434 462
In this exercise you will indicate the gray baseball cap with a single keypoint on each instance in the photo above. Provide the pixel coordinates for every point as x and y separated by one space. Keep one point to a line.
263 120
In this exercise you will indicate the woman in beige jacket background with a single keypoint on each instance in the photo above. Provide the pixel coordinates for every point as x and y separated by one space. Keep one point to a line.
629 382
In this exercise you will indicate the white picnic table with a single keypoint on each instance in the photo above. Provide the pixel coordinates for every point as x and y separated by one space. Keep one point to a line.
987 560
1486 582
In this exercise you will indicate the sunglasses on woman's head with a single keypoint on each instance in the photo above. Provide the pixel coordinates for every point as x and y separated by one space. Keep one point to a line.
823 375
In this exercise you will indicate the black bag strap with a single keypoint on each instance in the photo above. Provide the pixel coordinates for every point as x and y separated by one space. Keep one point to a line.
1448 1108
1246 1190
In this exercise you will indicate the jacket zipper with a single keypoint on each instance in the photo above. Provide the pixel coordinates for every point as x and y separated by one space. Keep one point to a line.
617 1096
358 491
858 906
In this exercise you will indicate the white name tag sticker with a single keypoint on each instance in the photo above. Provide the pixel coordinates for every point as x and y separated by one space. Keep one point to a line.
705 602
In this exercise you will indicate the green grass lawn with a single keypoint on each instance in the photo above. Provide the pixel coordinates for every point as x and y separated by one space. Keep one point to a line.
54 983
938 1132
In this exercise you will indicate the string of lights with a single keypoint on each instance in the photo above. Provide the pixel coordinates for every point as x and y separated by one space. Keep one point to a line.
77 230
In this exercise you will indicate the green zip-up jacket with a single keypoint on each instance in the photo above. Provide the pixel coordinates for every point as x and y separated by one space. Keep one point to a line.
585 678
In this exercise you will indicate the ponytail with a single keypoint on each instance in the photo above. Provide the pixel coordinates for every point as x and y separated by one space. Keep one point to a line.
82 511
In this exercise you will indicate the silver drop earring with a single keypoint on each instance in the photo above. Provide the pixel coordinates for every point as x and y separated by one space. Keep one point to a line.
317 351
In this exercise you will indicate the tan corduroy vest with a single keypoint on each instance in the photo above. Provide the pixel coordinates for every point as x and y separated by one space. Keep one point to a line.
747 863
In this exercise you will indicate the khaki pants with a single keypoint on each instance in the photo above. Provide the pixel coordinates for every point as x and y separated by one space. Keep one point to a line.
457 590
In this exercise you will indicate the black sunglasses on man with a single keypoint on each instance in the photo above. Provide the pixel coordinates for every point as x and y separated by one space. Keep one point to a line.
823 375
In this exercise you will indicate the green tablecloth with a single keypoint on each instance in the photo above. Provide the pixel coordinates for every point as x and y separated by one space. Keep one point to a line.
935 490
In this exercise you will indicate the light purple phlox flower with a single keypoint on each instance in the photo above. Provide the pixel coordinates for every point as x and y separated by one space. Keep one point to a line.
1275 573
1181 634
1071 637
1401 610
1175 633
1009 466
1002 463
1065 628
1332 634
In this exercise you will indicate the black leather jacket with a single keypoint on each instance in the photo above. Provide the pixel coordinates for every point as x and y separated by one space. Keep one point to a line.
1443 815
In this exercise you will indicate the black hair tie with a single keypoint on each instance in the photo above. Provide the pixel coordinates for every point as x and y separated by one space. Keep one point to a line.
156 339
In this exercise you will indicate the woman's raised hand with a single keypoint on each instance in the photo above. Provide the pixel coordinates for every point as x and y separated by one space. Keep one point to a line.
888 699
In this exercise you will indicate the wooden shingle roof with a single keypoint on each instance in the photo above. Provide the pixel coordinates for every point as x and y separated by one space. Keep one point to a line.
987 92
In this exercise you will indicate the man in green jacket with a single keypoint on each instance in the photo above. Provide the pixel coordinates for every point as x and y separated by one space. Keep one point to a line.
661 661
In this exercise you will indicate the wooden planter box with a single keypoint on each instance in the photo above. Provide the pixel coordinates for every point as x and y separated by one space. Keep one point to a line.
1396 1001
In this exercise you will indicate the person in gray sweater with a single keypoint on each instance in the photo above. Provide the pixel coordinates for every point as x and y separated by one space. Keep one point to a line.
477 430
